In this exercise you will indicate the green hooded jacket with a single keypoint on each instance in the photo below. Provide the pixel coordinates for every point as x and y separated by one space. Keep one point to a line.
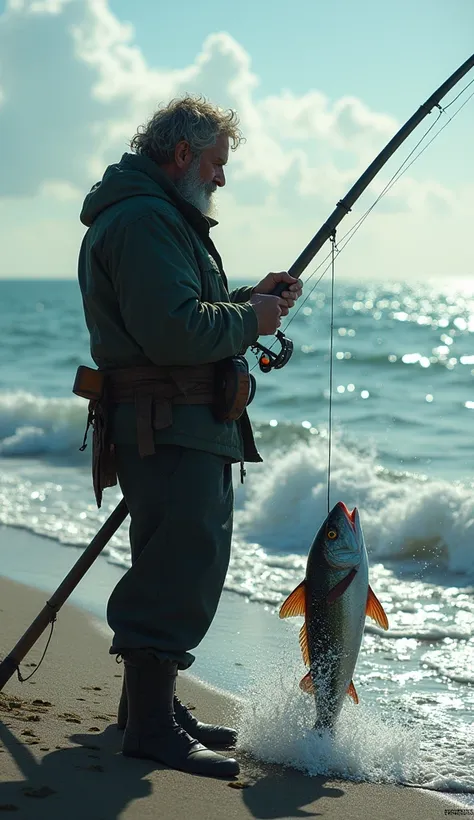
155 292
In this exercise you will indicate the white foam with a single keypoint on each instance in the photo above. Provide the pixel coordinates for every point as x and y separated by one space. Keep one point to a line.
432 635
35 425
402 515
367 745
378 742
278 511
456 666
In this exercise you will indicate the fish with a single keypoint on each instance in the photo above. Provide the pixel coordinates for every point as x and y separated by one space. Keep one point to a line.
334 599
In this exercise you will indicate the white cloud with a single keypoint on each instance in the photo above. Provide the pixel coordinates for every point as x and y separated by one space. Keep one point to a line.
40 235
302 153
60 189
313 116
37 6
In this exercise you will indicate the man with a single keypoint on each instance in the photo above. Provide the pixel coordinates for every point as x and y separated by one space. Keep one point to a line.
160 317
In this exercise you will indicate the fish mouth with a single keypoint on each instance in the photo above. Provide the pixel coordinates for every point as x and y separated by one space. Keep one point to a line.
351 516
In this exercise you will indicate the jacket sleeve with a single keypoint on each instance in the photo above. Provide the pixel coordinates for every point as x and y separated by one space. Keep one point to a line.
241 294
158 289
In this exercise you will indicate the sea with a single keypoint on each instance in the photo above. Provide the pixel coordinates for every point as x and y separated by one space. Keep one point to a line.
401 443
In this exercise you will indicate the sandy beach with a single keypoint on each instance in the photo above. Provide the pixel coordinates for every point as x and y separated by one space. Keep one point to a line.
60 748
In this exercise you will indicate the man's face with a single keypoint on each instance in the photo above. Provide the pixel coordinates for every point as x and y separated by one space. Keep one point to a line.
204 175
213 159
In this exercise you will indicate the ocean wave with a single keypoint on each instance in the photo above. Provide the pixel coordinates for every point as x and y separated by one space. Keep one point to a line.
34 425
404 516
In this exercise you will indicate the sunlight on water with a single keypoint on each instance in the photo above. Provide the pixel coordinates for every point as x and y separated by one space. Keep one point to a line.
402 411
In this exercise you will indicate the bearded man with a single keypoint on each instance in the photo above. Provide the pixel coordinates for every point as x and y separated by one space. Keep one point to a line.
160 318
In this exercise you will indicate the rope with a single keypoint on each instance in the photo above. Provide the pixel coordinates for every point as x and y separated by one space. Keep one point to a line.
20 676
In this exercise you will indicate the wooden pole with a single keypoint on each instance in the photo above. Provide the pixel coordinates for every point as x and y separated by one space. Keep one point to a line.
11 663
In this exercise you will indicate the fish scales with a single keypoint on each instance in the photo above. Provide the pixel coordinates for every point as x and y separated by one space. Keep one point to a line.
334 598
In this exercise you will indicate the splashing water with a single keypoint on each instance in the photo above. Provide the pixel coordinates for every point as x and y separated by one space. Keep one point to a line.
277 723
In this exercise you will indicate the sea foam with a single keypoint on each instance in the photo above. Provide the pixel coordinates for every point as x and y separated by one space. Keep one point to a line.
377 742
284 500
403 515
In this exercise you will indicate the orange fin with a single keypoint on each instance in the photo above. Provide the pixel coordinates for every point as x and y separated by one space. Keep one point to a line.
304 643
351 691
306 684
375 610
295 604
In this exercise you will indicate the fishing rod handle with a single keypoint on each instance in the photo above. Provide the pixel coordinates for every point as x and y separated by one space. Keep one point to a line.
282 286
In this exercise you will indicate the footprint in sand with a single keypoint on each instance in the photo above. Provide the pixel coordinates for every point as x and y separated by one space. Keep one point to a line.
71 717
43 791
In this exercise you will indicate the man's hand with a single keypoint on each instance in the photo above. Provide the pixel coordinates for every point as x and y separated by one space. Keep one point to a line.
288 297
268 312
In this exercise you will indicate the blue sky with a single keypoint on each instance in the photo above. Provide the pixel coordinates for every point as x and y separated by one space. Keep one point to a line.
320 87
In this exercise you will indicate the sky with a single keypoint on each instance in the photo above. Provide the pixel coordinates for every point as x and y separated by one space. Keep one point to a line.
320 88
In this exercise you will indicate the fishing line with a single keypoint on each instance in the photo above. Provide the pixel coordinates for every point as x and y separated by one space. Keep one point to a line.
335 251
402 169
331 362
353 230
398 174
459 95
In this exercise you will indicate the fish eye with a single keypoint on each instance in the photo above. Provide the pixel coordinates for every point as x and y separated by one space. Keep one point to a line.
332 534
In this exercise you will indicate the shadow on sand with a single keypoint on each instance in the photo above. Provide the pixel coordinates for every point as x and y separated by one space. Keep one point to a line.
92 780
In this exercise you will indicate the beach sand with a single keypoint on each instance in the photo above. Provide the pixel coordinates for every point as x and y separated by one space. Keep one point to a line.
60 748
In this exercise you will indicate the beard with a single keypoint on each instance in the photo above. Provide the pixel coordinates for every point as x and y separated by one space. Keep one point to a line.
195 191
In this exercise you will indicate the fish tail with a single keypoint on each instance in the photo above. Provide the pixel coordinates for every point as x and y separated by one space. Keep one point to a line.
322 727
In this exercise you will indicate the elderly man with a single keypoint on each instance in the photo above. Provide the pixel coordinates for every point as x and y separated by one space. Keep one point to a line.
161 320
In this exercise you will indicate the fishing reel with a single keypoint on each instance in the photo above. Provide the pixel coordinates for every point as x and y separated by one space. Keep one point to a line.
269 359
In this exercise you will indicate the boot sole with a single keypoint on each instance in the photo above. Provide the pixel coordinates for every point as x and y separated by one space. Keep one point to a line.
141 756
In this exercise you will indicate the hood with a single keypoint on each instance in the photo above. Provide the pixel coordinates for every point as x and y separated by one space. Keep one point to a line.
135 175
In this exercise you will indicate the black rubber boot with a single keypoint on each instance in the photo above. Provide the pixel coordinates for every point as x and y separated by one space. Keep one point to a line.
206 733
151 731
122 712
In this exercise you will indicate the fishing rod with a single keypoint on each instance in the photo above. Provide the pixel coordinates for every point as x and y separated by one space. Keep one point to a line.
269 360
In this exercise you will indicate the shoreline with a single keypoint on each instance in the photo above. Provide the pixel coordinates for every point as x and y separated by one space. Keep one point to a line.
60 753
244 638
243 635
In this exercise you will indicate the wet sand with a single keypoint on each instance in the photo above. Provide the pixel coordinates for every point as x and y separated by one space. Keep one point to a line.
60 748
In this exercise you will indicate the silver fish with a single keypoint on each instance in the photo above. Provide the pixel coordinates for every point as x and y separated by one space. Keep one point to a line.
334 599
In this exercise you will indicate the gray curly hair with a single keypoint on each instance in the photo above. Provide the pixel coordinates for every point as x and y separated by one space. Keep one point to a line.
190 118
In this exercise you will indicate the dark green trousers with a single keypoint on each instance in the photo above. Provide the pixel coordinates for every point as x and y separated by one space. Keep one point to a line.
181 507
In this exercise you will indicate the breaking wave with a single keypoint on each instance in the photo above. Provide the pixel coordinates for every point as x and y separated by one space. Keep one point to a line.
278 511
403 515
36 426
284 500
